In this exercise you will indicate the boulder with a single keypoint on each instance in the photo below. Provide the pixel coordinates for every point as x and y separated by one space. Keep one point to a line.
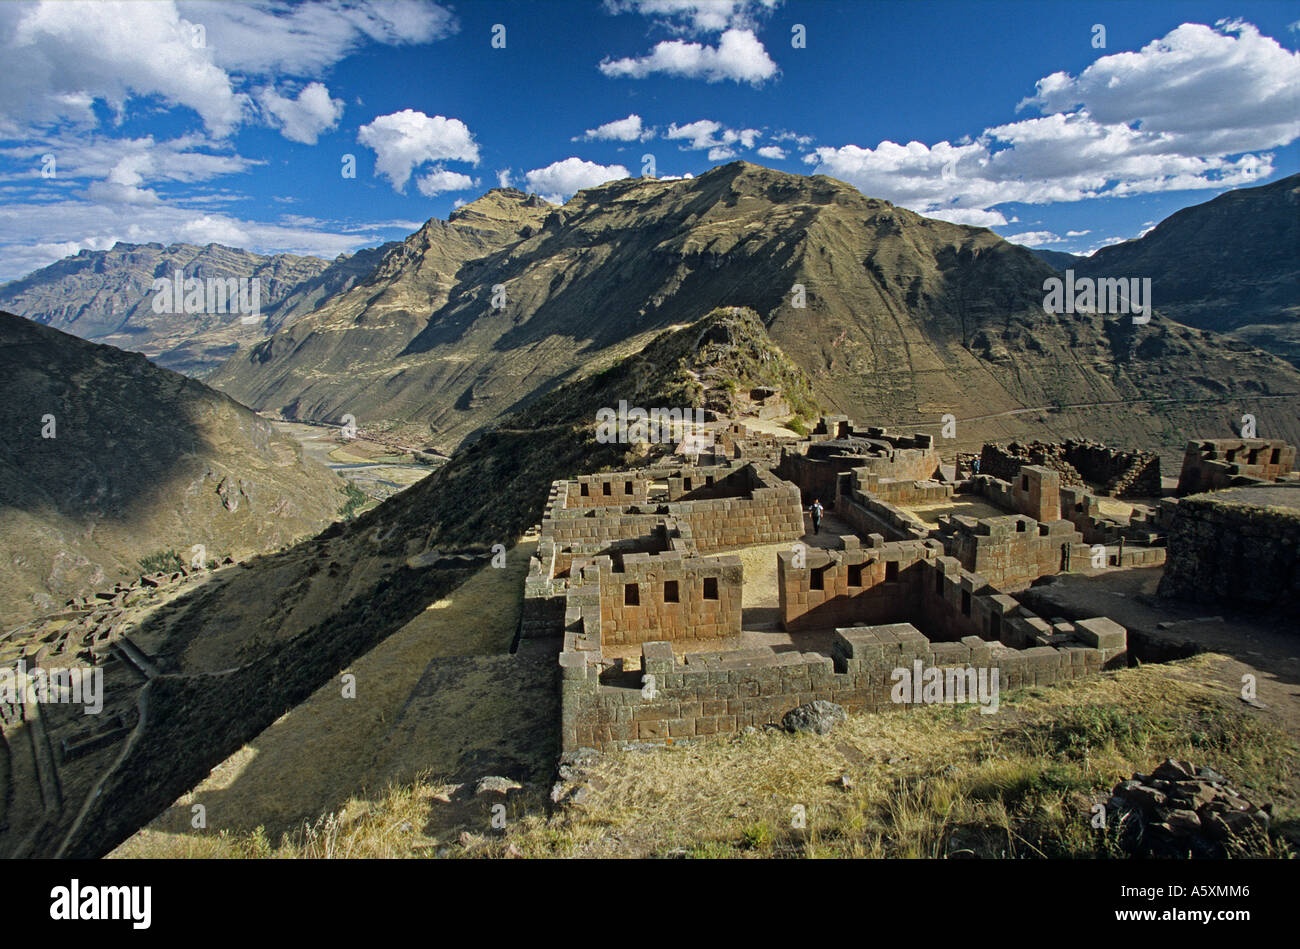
818 717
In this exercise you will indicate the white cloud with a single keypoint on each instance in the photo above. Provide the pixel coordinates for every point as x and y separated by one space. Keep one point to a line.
973 217
505 179
1197 89
788 136
620 130
439 180
405 140
739 57
302 119
773 152
559 181
268 37
1077 233
127 162
1036 238
698 16
33 235
1133 130
705 133
61 58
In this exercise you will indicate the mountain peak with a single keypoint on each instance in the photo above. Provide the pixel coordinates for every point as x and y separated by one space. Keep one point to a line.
498 202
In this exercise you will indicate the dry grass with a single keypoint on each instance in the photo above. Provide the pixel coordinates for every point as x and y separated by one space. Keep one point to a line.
937 782
323 750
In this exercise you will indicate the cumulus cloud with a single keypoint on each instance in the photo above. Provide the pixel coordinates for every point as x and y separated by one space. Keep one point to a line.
302 119
1200 90
402 141
620 130
706 133
561 180
1036 238
739 57
61 58
1131 128
440 180
773 152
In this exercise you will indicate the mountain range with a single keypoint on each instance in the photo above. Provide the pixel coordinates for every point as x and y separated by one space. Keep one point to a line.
896 318
107 296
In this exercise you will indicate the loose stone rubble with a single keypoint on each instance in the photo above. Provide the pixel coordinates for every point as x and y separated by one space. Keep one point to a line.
1182 810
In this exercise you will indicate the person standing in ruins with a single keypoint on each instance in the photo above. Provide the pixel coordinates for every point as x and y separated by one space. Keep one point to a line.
816 511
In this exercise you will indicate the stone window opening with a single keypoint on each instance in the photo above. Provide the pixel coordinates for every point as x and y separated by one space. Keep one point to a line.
855 574
627 487
817 579
605 487
631 594
1276 457
1024 482
710 588
582 489
891 571
670 591
1020 527
686 484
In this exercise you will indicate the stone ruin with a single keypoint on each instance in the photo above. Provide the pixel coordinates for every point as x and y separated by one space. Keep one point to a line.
1218 463
1113 472
639 584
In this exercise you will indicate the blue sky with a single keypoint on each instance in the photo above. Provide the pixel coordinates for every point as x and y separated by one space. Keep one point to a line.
231 122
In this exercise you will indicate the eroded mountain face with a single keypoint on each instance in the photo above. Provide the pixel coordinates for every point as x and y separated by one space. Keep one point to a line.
1231 265
109 297
112 459
905 319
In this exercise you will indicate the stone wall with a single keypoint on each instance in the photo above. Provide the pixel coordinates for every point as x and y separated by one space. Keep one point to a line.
1240 548
759 508
1033 491
663 597
894 582
869 515
900 492
836 447
1115 472
1014 550
705 694
1216 463
604 490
